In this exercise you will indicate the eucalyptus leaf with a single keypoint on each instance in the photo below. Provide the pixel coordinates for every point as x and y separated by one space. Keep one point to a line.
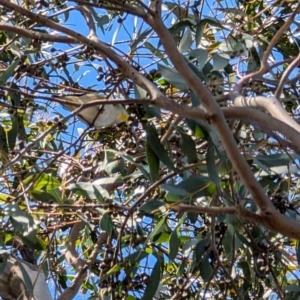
172 76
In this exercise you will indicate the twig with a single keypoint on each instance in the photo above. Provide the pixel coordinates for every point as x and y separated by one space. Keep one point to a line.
36 35
285 76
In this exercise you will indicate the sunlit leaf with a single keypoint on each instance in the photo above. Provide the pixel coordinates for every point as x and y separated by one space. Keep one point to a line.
186 41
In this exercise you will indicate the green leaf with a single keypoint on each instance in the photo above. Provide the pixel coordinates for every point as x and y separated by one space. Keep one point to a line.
62 280
201 55
137 256
154 281
3 143
220 60
43 196
139 92
156 52
152 112
195 186
116 166
200 249
199 33
26 277
22 221
140 38
275 160
42 182
174 244
186 41
89 190
175 189
131 160
3 261
150 206
13 132
172 76
228 45
182 267
116 268
160 226
181 25
153 162
9 71
211 166
206 270
188 147
229 237
156 146
106 224
298 252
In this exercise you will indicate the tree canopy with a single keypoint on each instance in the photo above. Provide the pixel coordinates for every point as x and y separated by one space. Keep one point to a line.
195 195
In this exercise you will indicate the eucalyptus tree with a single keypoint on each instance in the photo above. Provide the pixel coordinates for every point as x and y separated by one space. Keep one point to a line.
149 149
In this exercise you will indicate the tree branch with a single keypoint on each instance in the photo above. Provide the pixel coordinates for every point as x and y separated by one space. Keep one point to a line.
214 114
36 35
271 104
286 75
281 224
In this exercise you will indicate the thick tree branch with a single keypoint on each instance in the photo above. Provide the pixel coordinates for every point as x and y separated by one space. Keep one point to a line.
281 224
271 104
214 113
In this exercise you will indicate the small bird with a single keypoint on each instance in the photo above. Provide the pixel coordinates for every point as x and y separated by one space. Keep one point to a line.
99 116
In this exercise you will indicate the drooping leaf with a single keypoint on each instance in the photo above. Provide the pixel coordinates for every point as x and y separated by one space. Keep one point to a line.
3 261
186 41
160 226
106 224
174 244
153 162
211 166
3 144
188 147
156 146
153 283
140 38
13 132
206 269
26 277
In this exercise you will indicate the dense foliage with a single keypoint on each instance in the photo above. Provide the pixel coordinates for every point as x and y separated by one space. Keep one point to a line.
196 195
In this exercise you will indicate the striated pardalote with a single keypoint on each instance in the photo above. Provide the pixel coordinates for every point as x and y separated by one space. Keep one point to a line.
99 115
